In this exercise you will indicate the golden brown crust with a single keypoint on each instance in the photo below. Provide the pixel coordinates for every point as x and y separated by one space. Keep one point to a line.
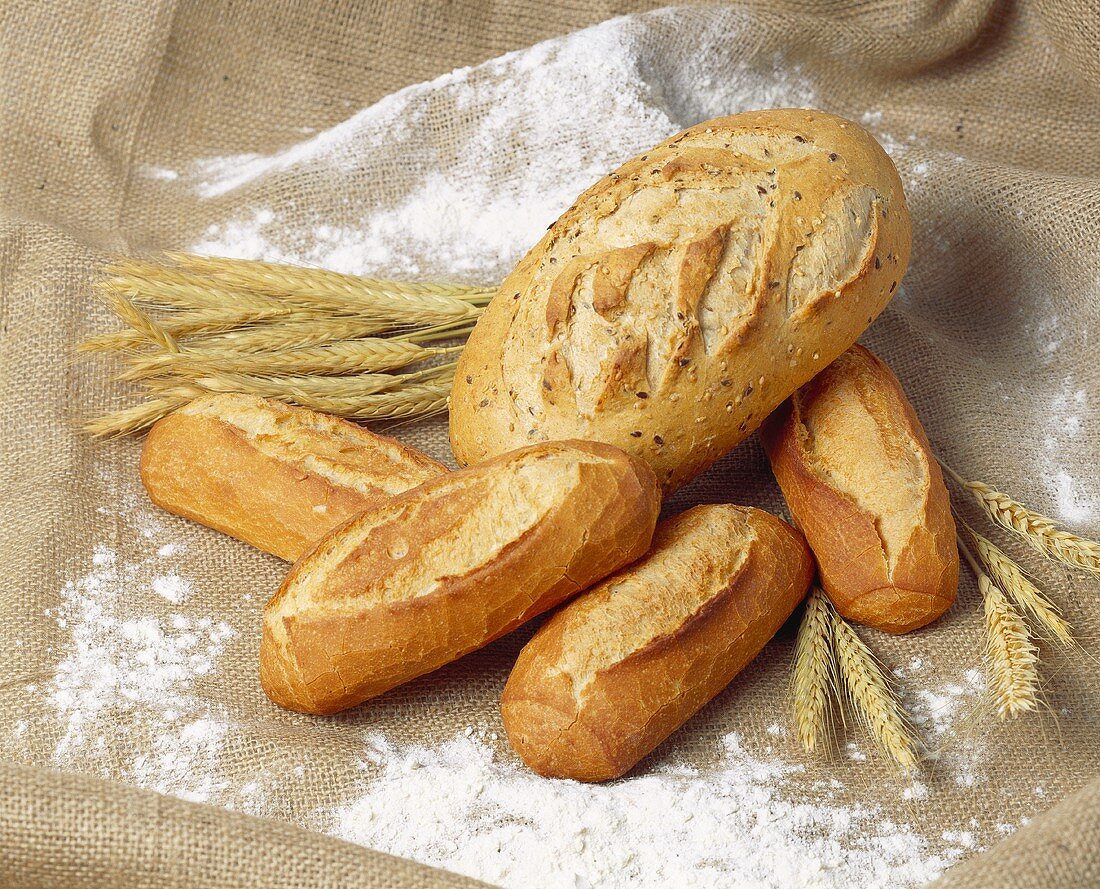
871 500
683 297
275 476
447 567
620 668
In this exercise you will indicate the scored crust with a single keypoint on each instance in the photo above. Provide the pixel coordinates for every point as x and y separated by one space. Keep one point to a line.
684 296
617 670
276 476
858 475
449 566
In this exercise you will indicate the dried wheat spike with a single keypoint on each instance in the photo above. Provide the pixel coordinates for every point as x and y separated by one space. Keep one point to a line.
325 289
135 418
146 329
814 673
1040 531
368 355
1013 658
1008 576
871 695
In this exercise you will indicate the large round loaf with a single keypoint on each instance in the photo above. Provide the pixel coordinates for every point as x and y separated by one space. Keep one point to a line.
684 296
449 566
621 667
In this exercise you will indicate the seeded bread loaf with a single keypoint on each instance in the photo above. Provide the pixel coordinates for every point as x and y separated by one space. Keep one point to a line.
860 480
449 566
618 669
275 476
684 296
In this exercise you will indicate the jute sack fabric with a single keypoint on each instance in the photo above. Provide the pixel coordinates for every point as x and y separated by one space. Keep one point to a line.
77 831
998 105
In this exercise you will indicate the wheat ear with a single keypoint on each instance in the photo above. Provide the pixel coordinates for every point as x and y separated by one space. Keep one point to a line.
814 673
283 279
1040 531
1012 656
306 336
1008 577
349 294
136 418
369 355
144 327
302 387
421 400
263 329
153 285
870 693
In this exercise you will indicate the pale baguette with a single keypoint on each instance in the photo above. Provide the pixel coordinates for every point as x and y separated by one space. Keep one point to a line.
617 670
449 566
684 296
860 480
276 476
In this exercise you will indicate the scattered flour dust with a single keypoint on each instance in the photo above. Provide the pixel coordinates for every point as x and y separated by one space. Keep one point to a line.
129 669
460 807
534 128
1073 502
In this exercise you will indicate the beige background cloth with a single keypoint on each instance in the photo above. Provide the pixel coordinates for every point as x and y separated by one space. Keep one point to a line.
993 338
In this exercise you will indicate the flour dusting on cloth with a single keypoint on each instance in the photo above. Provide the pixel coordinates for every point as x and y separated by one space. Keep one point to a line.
460 807
534 129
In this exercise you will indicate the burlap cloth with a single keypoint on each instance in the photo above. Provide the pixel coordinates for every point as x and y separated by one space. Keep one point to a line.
994 338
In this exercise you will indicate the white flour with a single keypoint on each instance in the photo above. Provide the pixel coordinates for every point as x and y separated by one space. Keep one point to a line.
460 807
132 663
538 125
1074 503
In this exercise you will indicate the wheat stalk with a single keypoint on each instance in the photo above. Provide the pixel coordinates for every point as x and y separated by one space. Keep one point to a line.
157 288
306 336
371 354
814 672
282 279
302 387
333 291
871 695
1009 577
1012 657
138 417
424 400
143 326
418 400
209 331
266 330
1039 531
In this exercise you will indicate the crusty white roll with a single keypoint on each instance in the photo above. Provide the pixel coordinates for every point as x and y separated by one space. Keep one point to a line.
618 669
860 480
449 566
275 476
685 295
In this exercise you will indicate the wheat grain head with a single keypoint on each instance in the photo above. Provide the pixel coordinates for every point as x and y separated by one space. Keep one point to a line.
872 697
1008 577
814 673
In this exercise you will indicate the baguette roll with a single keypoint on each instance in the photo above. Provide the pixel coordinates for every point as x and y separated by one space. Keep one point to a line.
684 296
620 668
444 569
859 477
275 476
